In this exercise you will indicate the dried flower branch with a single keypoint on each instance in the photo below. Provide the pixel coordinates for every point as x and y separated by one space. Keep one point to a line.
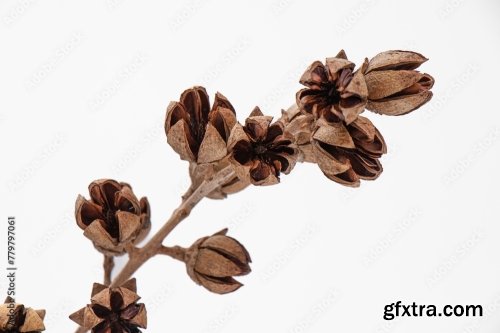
325 127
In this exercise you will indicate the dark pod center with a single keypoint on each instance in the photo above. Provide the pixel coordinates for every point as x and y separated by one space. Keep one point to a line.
332 94
259 149
111 223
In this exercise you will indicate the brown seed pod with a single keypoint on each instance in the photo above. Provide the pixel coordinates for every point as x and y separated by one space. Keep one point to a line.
394 86
15 317
333 87
113 310
113 217
261 150
213 261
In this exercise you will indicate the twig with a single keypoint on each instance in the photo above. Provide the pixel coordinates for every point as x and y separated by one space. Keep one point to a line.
190 200
175 252
139 256
108 265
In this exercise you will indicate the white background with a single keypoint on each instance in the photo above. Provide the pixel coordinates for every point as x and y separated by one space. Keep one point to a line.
84 86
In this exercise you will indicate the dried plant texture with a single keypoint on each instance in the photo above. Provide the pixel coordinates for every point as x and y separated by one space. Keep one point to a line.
333 88
16 318
347 153
113 218
213 261
199 134
326 124
261 150
113 310
394 86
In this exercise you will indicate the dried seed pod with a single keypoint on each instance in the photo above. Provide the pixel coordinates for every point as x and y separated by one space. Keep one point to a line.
394 86
333 87
261 150
197 132
113 310
347 153
15 317
113 217
213 261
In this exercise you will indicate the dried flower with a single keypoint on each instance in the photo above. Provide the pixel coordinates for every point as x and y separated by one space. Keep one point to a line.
113 217
347 153
333 87
16 318
394 86
113 310
261 150
213 261
196 132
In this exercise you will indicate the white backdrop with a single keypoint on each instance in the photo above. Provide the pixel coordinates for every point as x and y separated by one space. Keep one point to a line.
84 86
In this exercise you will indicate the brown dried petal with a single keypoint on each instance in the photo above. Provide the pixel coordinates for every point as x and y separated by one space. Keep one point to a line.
98 234
179 138
399 105
32 322
213 146
314 76
347 178
354 97
257 127
237 134
90 319
219 285
130 285
261 174
221 101
366 127
334 134
78 316
223 120
327 163
97 288
334 65
175 113
386 83
128 296
102 191
196 102
228 246
212 263
126 200
140 319
86 212
395 59
102 298
129 225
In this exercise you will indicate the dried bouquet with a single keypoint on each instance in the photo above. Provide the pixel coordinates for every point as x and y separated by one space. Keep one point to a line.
225 156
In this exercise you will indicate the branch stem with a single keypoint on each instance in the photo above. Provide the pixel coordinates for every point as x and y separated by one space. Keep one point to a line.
139 256
175 252
190 200
108 265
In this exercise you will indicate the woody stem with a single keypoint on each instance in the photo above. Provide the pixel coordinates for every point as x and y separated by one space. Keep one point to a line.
190 200
139 256
108 265
175 252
